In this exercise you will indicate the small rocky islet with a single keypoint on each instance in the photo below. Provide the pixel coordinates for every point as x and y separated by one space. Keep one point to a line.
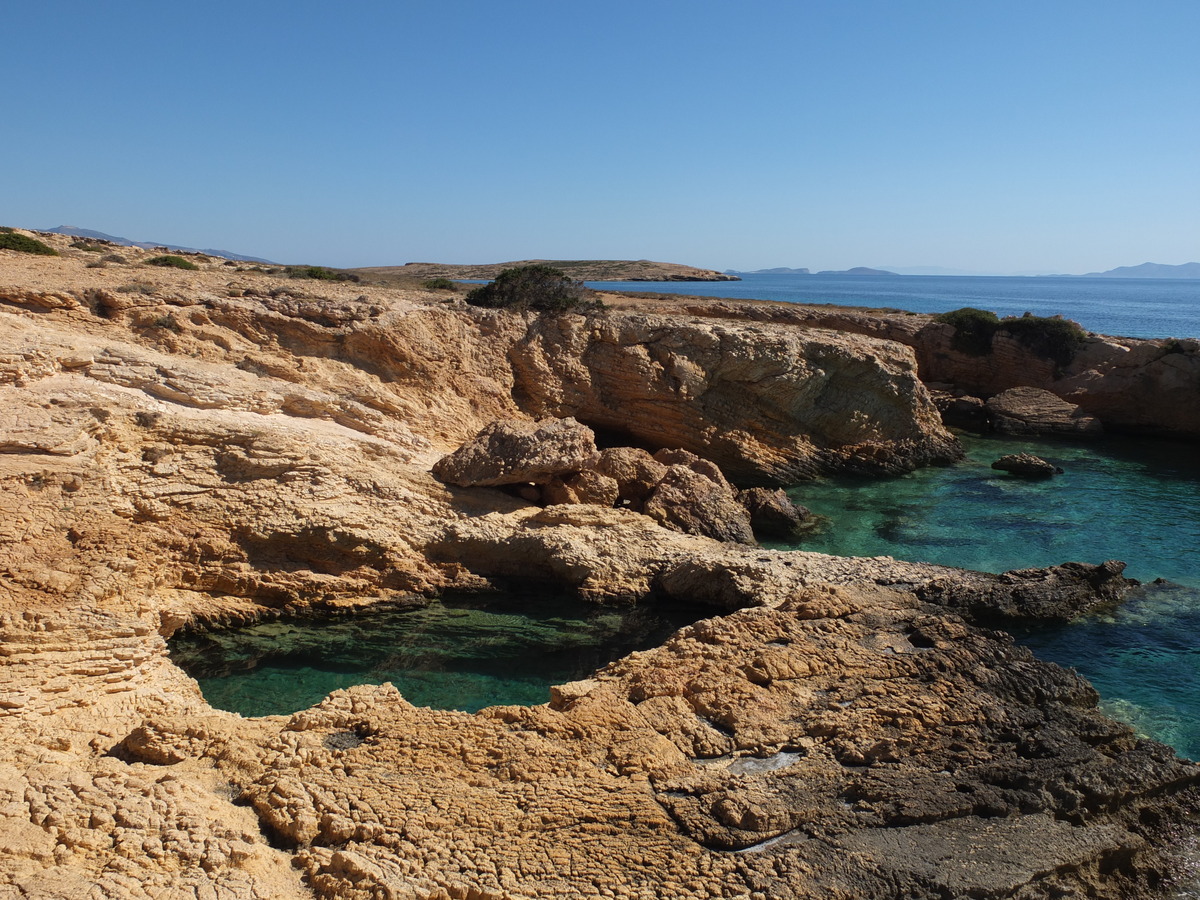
201 448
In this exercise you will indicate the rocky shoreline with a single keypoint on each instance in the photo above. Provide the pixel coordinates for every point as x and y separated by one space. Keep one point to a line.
219 446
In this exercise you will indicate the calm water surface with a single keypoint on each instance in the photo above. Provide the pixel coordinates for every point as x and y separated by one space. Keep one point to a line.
458 653
1138 501
1131 307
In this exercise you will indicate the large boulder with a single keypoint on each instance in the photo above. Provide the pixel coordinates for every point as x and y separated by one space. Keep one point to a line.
693 503
1031 410
635 471
519 452
588 486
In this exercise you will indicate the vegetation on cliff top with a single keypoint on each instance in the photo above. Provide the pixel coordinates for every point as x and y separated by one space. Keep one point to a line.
537 287
1055 338
172 262
10 240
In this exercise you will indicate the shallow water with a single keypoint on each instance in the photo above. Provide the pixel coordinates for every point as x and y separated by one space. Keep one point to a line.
1121 499
458 653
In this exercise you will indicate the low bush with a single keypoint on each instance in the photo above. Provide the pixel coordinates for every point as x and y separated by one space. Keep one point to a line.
537 287
973 329
172 262
1053 338
438 284
321 273
10 240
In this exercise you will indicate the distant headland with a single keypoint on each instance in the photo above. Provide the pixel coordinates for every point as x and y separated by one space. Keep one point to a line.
782 270
579 269
1150 270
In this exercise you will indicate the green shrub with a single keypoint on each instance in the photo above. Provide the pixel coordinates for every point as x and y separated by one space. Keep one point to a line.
536 287
321 273
89 246
10 240
973 329
1055 338
172 262
438 284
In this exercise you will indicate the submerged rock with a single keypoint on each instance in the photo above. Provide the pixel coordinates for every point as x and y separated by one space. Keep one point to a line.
1026 465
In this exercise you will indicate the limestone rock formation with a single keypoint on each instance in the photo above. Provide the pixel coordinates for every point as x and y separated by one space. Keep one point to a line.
1026 465
517 452
695 504
777 405
210 448
1030 410
1140 386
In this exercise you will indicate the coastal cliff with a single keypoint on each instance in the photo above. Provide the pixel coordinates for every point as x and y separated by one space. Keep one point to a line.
201 448
1132 385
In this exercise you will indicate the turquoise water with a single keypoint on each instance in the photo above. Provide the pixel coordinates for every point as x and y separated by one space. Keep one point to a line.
458 653
1138 501
1132 307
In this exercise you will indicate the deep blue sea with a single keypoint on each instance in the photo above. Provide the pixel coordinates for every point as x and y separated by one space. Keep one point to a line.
1128 307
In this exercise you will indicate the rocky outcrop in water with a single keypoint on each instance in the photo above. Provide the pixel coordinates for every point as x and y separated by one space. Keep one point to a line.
1026 465
210 448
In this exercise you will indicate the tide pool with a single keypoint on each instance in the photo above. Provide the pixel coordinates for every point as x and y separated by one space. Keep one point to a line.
457 653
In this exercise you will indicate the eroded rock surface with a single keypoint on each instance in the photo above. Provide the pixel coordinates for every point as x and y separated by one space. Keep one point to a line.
224 447
1030 410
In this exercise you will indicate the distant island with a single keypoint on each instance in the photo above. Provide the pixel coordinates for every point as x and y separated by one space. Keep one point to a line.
857 270
74 231
579 269
1150 270
780 270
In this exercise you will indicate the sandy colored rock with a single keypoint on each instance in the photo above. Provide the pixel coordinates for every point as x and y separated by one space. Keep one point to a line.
635 471
1030 410
517 452
695 504
221 447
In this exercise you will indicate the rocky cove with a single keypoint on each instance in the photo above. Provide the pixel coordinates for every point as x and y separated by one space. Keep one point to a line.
197 449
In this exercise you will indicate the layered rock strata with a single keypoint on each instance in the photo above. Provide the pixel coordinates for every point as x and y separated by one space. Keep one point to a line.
220 447
1129 384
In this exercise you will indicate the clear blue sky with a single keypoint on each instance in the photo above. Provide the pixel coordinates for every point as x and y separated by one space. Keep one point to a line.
1014 136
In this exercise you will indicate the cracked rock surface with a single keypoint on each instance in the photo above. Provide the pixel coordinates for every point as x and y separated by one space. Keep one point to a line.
217 447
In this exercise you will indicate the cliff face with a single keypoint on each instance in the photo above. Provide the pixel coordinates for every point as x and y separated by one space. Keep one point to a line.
1139 386
215 447
764 405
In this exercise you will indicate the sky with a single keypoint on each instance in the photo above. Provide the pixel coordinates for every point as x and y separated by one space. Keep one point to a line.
1007 137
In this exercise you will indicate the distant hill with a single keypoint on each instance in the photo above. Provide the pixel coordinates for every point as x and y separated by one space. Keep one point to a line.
73 231
858 270
579 269
781 270
1150 270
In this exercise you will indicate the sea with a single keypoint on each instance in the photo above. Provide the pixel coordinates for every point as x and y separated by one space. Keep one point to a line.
1120 498
1123 307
